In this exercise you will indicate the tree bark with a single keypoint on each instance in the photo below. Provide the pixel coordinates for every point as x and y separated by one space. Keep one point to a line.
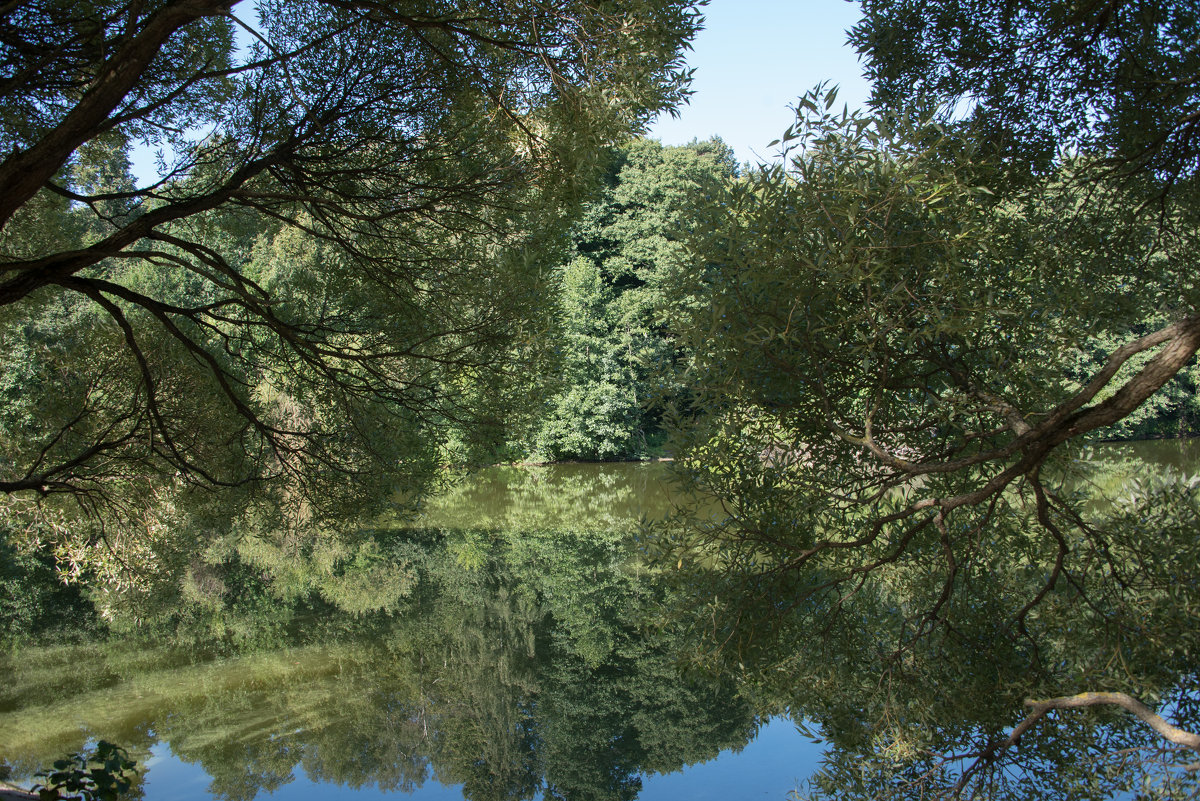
24 172
1130 704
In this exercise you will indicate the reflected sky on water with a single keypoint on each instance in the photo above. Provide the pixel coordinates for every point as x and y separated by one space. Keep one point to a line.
518 667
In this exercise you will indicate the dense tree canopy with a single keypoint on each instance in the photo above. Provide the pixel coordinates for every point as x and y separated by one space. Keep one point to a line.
1117 81
343 241
890 355
909 323
616 357
383 232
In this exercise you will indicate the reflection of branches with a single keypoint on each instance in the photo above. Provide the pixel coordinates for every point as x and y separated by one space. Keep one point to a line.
1039 709
887 419
1070 756
888 497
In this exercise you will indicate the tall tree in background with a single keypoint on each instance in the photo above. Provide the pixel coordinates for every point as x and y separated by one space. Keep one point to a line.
617 357
345 232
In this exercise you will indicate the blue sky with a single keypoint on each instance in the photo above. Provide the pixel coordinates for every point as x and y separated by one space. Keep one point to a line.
754 58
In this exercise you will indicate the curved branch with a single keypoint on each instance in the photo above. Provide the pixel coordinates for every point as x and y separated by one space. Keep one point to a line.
24 172
1039 709
1068 419
35 274
1130 704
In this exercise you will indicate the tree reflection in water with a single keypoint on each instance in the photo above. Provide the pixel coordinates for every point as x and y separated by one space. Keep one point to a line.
919 692
518 661
520 656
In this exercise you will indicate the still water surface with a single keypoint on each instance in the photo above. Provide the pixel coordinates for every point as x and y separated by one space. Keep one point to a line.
514 666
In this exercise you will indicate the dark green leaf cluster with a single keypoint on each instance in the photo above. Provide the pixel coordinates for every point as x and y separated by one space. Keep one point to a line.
35 603
892 336
616 359
1117 81
104 774
343 268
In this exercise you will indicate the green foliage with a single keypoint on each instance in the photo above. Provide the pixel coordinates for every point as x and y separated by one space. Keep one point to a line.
1029 83
35 603
1031 79
598 413
885 360
105 773
617 359
342 281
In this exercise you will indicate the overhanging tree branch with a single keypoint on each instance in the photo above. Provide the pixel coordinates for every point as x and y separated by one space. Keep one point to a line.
24 172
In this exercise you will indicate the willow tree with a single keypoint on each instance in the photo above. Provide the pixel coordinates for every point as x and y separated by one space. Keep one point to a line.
1117 81
339 256
889 374
886 364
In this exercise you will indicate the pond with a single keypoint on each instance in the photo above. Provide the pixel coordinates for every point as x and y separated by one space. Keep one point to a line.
516 669
521 655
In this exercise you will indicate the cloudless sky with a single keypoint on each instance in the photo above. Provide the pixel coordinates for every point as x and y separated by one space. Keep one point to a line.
753 59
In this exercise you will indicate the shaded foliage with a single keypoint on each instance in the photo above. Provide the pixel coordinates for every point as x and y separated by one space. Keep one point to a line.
617 357
339 261
1117 81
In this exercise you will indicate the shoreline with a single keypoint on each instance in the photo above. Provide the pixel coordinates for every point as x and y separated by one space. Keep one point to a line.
672 458
584 461
10 792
